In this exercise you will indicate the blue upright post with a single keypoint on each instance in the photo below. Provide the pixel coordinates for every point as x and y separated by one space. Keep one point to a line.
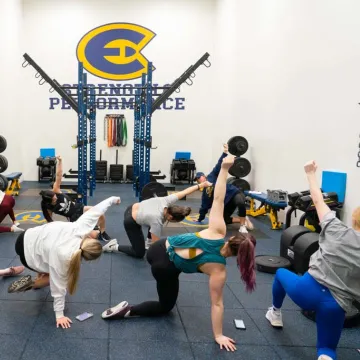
148 123
80 93
136 157
92 140
142 134
85 137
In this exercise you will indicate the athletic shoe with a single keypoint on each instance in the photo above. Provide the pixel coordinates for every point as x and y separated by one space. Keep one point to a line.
243 229
15 229
121 310
148 242
249 225
16 224
23 284
111 246
324 357
275 317
15 270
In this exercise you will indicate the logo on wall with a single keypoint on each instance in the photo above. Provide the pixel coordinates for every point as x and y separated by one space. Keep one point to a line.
113 51
34 216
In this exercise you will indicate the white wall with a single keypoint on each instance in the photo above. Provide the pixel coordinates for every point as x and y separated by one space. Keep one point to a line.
11 115
295 80
52 30
284 74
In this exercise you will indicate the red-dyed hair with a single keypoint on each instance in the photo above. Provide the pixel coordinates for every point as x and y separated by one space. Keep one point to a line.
242 246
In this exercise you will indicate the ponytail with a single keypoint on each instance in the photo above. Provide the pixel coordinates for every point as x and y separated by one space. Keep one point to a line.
74 271
90 249
243 247
178 213
45 212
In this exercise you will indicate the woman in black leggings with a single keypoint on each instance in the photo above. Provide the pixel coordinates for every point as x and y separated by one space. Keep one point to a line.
152 213
204 252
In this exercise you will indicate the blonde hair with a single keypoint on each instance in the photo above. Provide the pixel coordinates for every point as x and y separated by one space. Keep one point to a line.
90 249
356 218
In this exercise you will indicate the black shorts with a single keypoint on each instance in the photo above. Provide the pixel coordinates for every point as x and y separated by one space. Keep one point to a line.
19 249
77 213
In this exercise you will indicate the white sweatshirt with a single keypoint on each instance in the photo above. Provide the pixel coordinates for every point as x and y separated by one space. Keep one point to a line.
49 248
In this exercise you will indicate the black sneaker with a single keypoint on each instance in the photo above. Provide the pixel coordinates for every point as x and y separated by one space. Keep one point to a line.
104 236
23 284
118 311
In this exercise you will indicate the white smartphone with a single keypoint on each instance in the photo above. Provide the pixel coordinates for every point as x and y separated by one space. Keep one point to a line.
84 316
239 324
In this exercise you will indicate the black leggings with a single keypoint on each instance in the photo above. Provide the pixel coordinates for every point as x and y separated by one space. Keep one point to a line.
237 201
135 235
19 249
167 282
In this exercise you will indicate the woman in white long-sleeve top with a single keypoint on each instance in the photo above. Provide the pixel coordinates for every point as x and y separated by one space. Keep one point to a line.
55 251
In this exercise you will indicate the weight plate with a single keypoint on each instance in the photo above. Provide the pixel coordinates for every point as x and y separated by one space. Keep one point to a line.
153 189
240 168
350 321
238 145
241 184
3 183
269 264
3 144
3 163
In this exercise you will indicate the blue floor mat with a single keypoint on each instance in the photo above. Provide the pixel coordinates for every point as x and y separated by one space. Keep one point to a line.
27 320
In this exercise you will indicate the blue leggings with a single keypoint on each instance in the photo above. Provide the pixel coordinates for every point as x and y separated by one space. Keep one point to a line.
308 294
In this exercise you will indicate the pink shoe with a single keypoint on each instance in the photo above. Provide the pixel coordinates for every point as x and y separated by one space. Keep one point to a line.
15 270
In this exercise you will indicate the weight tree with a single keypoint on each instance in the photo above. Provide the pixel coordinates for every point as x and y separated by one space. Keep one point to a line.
85 107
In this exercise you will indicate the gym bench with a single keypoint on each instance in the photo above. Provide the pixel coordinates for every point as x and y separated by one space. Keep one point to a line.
266 207
14 184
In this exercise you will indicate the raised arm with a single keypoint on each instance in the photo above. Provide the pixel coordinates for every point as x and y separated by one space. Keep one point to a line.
86 222
216 218
317 197
216 170
191 189
59 174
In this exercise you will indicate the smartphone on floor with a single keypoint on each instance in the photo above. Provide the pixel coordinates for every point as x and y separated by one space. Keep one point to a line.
84 316
239 324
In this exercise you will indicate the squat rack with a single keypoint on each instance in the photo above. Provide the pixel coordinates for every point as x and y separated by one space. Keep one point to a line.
85 107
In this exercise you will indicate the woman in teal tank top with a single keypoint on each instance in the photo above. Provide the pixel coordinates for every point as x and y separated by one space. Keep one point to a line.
204 252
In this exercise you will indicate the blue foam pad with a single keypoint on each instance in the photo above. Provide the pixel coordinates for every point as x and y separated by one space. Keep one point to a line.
47 152
334 181
14 175
182 155
263 198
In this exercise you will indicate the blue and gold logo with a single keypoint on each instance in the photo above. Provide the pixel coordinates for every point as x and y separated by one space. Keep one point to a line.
35 216
113 51
191 220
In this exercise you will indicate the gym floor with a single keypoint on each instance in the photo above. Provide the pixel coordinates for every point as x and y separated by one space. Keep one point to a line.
27 323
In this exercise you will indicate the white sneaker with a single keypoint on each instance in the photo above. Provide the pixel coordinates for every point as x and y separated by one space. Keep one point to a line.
17 224
324 357
111 246
243 229
249 225
275 317
148 242
16 229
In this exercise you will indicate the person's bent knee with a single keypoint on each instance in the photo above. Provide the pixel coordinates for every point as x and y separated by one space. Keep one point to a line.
140 254
165 309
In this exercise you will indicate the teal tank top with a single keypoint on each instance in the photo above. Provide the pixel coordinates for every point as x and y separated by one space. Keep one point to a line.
211 251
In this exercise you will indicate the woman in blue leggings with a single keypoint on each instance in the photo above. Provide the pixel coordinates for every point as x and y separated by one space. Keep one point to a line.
331 286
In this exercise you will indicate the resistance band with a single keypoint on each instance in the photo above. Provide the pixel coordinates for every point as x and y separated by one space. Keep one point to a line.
124 133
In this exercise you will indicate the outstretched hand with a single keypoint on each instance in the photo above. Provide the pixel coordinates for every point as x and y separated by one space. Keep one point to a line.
225 148
310 167
228 162
205 184
59 158
117 200
226 342
64 322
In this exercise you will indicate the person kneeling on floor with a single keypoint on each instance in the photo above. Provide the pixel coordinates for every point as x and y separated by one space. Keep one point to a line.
55 251
331 286
7 204
234 198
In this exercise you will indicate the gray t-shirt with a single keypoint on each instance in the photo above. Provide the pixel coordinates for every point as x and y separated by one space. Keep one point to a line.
151 212
336 264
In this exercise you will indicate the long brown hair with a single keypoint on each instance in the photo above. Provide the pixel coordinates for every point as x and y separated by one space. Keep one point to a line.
90 249
242 245
178 213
